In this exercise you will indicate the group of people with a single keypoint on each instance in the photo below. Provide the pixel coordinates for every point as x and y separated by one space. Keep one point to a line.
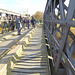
16 23
21 22
7 24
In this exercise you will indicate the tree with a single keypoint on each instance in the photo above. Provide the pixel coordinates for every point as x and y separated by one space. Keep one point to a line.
38 16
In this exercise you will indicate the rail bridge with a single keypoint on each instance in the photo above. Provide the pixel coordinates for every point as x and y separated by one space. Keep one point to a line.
47 49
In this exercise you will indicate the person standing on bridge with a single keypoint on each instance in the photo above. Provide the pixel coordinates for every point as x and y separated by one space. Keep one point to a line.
18 25
12 25
21 23
28 21
33 21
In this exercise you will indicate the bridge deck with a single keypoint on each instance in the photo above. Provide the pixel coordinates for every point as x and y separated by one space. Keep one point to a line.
9 39
33 59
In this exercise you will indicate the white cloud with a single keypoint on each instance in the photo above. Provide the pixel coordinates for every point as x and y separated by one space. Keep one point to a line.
38 7
3 1
23 6
23 3
2 6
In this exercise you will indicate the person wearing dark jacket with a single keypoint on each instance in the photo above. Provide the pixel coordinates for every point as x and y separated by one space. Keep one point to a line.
33 22
28 21
12 25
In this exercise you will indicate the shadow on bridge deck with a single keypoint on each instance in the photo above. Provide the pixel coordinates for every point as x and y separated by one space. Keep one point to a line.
33 59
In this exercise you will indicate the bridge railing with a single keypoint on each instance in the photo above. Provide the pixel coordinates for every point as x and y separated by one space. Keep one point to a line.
59 26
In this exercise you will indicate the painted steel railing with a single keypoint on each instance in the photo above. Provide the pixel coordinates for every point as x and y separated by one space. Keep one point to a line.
6 19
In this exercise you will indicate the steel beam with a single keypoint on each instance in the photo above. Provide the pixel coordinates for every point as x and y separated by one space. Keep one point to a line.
65 22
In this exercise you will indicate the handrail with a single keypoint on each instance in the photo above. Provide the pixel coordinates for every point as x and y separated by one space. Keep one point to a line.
10 12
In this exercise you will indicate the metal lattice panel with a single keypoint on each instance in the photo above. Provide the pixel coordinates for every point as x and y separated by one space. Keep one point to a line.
60 32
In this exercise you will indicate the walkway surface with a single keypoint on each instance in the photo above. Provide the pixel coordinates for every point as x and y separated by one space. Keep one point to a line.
33 59
10 40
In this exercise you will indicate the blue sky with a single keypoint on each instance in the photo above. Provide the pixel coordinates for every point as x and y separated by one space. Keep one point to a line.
24 6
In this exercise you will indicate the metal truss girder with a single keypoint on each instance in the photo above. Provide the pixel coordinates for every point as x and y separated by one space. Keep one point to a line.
72 35
65 7
68 23
48 5
65 24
